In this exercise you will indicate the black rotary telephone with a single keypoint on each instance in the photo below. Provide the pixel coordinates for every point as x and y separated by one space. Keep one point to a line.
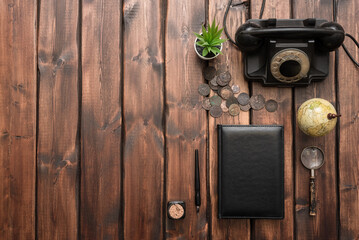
288 52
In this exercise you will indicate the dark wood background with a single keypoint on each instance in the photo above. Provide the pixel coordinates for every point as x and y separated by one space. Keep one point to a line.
100 116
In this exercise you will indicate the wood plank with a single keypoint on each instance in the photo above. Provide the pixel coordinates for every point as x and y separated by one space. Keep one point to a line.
282 229
348 95
143 120
101 120
186 122
231 61
58 118
324 225
18 119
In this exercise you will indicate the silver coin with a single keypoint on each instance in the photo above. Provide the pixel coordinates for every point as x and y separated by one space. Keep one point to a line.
235 88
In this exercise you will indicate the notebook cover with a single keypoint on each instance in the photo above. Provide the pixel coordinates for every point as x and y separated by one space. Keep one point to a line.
250 171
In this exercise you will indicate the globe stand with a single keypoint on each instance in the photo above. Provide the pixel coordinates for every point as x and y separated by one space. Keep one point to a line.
332 115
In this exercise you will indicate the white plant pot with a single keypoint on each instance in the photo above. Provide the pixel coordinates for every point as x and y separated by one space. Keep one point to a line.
205 58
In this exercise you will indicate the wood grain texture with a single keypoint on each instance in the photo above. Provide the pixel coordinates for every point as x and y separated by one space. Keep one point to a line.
324 225
143 117
101 120
17 119
58 118
348 95
119 118
282 229
231 60
186 122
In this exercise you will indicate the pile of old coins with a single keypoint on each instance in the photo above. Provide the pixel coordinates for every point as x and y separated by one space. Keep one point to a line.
227 97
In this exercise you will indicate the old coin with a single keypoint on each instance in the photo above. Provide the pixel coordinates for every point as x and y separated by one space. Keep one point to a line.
206 104
235 88
224 107
225 92
221 83
215 111
213 84
215 100
225 77
245 108
219 71
231 100
243 99
271 105
209 73
233 110
204 89
257 102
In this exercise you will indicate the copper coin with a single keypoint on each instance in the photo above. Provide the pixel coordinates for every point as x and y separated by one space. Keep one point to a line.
257 102
233 110
224 107
231 100
215 100
243 99
225 92
271 105
209 73
206 104
225 77
245 108
235 88
215 111
204 89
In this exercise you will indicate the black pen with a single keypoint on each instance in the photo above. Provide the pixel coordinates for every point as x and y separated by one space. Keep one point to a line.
197 182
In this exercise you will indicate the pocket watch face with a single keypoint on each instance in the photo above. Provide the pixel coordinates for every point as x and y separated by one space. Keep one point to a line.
176 210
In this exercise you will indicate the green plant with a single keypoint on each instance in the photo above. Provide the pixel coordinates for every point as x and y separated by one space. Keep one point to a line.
210 39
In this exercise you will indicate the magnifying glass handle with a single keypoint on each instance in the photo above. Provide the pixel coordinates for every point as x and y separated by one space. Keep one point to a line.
312 207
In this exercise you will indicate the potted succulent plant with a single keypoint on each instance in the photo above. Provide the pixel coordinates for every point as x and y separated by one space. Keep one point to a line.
208 43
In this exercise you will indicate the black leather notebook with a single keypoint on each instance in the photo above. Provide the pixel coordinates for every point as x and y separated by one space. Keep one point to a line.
250 171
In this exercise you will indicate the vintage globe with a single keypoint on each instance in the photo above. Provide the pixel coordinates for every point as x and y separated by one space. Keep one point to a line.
316 117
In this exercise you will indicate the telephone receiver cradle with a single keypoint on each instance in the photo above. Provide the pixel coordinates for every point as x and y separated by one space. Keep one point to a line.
288 52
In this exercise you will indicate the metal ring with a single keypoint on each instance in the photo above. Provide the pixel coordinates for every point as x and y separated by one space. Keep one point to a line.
286 55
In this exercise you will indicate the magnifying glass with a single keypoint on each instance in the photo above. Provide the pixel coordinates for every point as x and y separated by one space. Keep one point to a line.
312 158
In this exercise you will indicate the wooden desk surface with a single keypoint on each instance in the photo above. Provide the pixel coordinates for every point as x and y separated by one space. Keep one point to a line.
100 117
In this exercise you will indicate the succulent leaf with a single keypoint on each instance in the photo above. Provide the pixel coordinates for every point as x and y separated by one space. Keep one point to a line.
205 52
210 38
